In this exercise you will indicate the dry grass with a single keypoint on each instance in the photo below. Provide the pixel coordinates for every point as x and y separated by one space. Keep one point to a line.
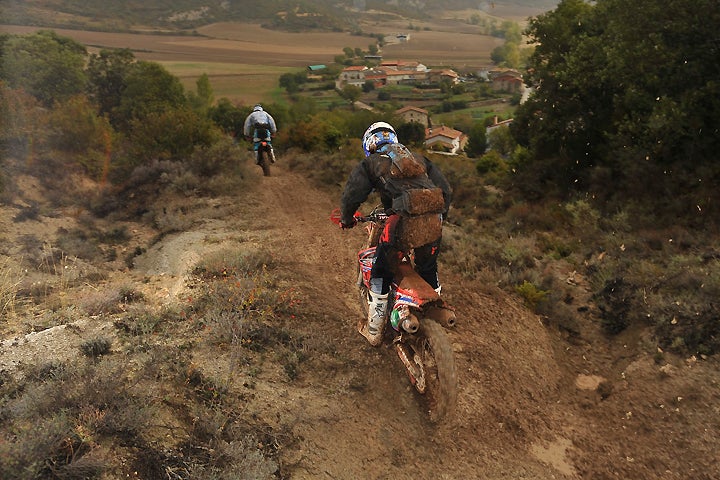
10 280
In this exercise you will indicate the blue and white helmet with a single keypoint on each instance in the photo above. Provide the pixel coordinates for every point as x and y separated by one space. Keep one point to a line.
377 134
257 108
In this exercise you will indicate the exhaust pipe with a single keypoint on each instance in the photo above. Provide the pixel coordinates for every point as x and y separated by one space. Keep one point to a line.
411 324
444 316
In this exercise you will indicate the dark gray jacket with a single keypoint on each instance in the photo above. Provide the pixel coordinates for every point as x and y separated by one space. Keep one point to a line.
368 176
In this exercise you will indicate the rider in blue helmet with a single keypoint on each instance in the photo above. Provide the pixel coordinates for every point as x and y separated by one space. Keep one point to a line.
396 174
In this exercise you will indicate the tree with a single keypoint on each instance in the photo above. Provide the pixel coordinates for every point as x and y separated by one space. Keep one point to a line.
351 93
23 122
150 88
628 89
411 133
477 143
490 162
171 133
49 67
74 127
500 140
107 74
507 54
555 120
289 83
292 81
511 32
228 117
203 98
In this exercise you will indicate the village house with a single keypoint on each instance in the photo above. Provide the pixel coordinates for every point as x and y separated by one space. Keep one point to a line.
445 139
414 114
402 65
376 76
315 71
506 80
393 73
404 77
353 75
437 76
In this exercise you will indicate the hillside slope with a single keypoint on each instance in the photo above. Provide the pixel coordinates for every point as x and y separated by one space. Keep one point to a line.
189 14
533 403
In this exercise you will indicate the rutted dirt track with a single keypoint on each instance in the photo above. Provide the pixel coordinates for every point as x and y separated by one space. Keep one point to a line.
532 403
378 431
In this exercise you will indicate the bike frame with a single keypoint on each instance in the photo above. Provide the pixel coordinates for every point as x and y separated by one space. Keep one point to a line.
423 348
411 297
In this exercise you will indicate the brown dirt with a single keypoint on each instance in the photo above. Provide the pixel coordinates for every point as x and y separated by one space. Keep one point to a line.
534 403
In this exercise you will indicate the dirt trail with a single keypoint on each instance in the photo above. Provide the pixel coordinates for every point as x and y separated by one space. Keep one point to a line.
534 403
377 431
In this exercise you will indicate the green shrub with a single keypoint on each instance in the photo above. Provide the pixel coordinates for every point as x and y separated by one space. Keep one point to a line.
532 296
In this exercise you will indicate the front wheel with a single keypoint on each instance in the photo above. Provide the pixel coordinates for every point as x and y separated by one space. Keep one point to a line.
432 368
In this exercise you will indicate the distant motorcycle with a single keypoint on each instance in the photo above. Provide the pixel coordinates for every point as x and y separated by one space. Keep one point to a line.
262 144
417 320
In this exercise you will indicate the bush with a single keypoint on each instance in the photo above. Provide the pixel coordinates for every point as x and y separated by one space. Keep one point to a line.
532 296
96 347
220 158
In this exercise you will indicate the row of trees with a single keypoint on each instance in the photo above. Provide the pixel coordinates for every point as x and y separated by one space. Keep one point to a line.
111 111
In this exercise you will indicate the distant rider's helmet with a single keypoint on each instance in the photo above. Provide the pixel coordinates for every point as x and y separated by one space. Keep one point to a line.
257 108
377 134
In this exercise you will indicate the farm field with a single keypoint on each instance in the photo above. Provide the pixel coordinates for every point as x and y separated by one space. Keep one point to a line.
241 67
244 60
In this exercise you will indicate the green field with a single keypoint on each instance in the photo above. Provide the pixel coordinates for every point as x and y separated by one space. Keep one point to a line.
241 83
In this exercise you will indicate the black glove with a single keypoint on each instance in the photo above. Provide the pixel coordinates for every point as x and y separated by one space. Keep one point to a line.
345 224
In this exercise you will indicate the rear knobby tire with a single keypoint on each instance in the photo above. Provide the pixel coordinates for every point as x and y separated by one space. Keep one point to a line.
435 350
264 162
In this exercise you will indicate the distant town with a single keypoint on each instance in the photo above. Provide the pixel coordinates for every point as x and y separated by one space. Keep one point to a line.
398 72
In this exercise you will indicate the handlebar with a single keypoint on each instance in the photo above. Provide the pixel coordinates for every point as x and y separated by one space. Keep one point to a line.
378 215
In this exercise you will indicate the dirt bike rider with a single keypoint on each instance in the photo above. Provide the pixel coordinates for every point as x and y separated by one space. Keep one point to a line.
401 178
260 125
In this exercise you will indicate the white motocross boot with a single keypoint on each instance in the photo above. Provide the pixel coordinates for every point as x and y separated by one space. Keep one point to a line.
373 329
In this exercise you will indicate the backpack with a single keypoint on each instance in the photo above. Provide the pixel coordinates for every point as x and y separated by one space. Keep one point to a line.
408 184
262 131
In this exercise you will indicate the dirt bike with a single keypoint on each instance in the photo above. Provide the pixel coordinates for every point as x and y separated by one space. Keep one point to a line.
264 150
416 323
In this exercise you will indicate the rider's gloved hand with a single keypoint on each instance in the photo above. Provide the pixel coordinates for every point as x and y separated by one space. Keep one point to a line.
345 224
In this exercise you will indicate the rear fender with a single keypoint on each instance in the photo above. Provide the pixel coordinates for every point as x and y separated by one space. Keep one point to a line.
409 283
